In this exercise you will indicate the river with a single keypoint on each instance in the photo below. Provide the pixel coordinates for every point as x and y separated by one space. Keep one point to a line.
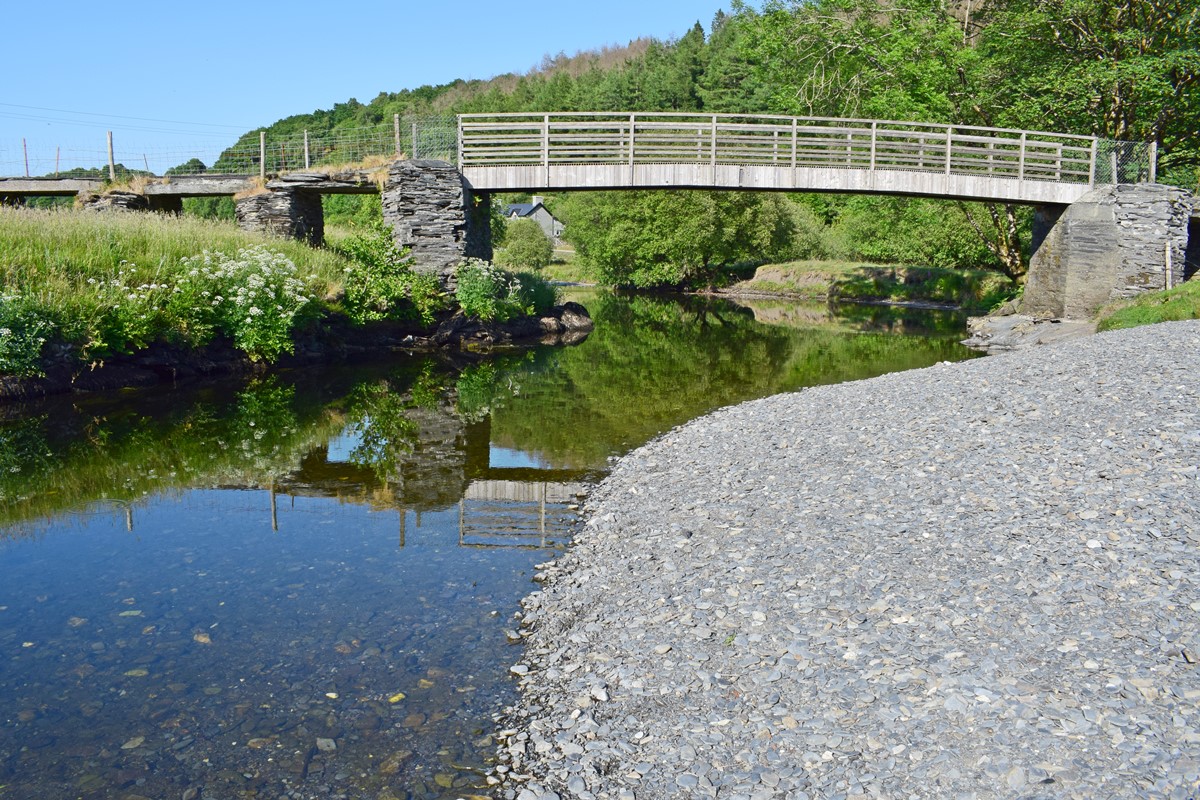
306 585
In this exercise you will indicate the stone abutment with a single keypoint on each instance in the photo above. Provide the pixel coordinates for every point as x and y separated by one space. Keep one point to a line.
1115 242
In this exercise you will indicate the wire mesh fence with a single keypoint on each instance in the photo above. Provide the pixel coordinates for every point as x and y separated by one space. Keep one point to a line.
434 137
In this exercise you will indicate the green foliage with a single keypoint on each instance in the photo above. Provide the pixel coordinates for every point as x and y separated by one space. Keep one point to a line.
1180 303
489 293
972 290
23 332
253 298
380 282
477 387
222 208
651 238
115 284
526 245
351 210
385 432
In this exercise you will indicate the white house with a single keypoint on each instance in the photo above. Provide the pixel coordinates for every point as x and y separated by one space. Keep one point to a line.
537 212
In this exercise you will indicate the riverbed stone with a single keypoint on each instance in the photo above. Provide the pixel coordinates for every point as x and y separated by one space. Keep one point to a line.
971 580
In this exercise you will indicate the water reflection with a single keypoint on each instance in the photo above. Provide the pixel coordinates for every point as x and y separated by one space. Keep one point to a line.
304 585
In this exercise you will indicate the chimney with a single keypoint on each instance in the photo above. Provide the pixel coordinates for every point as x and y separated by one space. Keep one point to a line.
536 199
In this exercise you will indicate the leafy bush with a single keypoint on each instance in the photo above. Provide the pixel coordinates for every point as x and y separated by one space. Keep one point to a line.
381 284
489 293
526 245
254 298
23 331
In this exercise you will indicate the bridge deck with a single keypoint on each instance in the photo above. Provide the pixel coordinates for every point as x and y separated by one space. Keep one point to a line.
515 152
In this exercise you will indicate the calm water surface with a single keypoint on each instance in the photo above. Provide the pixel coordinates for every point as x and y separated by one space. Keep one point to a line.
305 586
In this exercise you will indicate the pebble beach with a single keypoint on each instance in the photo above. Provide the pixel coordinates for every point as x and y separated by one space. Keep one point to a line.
976 580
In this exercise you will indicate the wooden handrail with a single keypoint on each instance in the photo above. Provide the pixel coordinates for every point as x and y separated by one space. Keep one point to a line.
666 137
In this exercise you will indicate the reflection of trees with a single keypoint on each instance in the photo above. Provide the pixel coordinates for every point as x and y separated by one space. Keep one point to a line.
420 430
653 363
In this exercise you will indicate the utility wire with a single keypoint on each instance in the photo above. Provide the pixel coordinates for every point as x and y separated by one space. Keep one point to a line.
119 116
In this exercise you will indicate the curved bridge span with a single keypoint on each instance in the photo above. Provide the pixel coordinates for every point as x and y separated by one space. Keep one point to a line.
521 152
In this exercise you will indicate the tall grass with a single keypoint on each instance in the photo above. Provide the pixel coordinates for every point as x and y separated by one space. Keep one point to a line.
110 283
49 254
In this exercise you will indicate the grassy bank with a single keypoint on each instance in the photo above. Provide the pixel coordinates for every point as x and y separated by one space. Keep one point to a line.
1182 302
971 290
82 287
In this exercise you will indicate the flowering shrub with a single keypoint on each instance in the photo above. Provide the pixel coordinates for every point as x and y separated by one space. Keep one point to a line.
23 331
490 293
254 298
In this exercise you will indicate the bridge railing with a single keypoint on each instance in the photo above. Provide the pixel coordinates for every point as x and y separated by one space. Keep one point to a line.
715 139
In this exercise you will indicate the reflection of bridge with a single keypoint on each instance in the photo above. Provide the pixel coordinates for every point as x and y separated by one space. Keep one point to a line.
1104 228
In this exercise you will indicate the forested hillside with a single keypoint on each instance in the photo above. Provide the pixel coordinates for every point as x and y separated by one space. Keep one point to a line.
1122 69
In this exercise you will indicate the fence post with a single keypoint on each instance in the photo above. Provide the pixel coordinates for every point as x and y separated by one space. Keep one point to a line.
396 132
1116 179
1021 160
307 162
632 130
1154 163
414 141
262 155
795 122
461 152
1092 158
949 140
25 149
546 146
112 162
874 138
713 154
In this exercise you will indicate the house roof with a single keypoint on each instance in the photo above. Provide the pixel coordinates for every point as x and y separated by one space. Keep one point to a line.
525 210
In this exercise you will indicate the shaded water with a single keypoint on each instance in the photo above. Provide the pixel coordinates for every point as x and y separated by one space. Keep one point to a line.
305 586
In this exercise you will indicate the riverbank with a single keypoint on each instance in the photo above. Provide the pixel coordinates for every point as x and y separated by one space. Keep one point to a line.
969 580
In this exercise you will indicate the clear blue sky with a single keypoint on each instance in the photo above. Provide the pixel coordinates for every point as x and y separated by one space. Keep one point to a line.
177 79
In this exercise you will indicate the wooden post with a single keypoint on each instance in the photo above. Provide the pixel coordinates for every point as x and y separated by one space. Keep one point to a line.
396 131
949 147
112 164
850 149
145 162
1021 160
795 142
1154 163
57 154
403 520
713 153
25 149
874 145
632 129
461 144
991 157
1168 281
414 140
274 512
307 164
1112 157
262 155
1092 159
546 146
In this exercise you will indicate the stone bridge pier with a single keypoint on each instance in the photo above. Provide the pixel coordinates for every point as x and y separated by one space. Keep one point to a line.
428 205
1113 243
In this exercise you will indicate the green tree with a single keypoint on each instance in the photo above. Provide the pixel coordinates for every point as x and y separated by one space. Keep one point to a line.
653 238
526 246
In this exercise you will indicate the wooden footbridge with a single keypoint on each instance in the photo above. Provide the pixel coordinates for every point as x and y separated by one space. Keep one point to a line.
1102 222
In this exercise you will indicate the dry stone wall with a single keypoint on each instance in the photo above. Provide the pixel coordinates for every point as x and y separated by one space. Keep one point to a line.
1115 242
284 212
433 212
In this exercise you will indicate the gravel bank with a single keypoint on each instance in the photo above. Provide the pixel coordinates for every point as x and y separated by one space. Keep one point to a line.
969 581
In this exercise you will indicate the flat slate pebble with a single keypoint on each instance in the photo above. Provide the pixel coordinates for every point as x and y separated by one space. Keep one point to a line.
974 580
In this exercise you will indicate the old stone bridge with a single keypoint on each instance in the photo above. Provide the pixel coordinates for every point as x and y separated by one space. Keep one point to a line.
1104 227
